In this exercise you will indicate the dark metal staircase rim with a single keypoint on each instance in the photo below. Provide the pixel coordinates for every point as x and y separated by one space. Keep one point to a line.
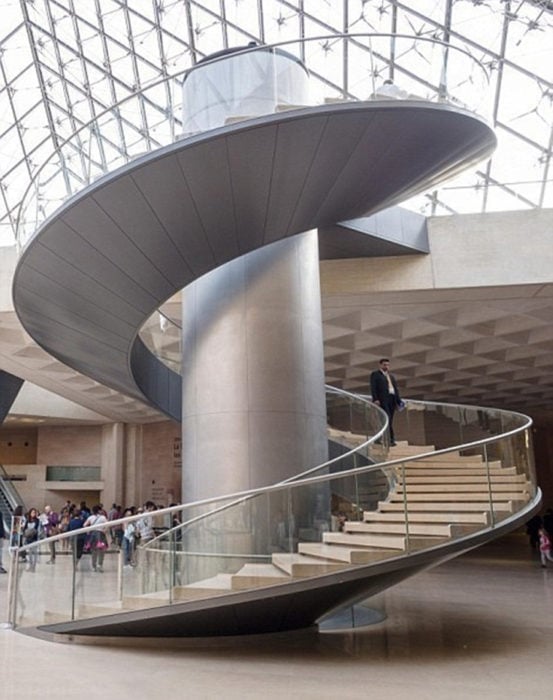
101 335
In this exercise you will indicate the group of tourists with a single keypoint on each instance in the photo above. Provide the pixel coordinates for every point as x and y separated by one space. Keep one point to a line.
35 525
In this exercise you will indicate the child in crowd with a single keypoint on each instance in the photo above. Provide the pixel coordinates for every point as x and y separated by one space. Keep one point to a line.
545 547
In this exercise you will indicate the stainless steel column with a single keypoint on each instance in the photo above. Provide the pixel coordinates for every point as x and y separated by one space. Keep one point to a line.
253 371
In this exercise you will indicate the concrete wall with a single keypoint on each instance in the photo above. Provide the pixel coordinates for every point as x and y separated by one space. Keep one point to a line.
470 250
138 463
18 446
161 463
70 445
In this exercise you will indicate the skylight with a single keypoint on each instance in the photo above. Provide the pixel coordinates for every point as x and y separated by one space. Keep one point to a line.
63 62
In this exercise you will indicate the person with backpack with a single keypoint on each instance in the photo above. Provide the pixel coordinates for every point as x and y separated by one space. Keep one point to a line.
31 534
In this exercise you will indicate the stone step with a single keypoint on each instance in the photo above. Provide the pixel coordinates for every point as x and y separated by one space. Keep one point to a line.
300 565
222 581
457 496
355 438
219 584
463 489
369 540
476 518
407 451
424 529
287 107
237 118
348 555
404 450
182 593
439 471
417 480
454 458
445 506
257 576
145 600
457 463
98 609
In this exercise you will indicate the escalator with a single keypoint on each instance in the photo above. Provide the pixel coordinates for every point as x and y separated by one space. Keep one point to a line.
9 499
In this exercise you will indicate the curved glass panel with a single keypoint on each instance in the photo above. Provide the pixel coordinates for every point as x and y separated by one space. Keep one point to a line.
280 77
438 501
163 338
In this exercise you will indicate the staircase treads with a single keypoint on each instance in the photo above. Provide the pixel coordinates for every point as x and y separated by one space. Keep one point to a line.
387 541
462 478
477 518
219 581
300 565
438 529
464 488
98 609
182 593
446 458
402 446
256 576
348 555
336 434
456 456
146 600
457 497
446 506
416 468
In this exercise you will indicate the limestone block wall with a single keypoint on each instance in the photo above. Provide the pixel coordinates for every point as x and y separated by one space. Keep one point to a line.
137 463
18 446
160 477
70 445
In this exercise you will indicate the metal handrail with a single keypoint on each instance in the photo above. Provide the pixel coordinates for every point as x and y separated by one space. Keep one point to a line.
240 496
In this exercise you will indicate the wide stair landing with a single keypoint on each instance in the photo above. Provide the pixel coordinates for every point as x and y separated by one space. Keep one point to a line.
444 497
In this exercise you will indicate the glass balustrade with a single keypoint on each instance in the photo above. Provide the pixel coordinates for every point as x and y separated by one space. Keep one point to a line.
289 76
425 498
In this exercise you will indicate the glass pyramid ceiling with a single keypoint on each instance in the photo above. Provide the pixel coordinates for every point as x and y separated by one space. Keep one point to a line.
62 62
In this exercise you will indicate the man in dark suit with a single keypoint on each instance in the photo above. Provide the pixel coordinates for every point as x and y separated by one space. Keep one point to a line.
385 392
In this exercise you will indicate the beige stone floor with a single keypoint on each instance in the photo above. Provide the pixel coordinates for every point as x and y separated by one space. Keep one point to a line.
480 626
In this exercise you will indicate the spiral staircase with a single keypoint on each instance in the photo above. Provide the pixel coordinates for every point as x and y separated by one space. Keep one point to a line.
284 556
290 555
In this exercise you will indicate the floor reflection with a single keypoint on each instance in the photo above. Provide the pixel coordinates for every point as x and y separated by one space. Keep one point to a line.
480 626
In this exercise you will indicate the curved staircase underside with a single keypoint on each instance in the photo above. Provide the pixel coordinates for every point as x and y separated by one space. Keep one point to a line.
99 267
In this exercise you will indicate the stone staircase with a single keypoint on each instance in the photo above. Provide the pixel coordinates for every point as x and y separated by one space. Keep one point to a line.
444 496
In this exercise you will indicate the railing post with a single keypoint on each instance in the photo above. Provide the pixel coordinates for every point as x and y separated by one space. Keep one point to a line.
490 491
172 573
13 578
120 564
460 412
356 485
405 511
73 574
290 522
